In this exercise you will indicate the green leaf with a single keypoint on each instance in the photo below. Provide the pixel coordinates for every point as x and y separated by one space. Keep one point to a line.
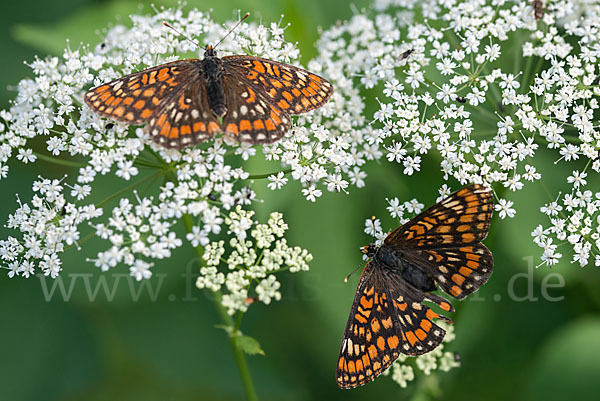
249 345
227 329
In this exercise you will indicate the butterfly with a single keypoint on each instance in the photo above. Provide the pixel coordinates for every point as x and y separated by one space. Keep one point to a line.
441 246
186 102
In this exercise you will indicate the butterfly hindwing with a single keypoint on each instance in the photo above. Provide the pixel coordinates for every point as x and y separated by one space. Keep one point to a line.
364 353
458 271
135 97
387 318
415 320
251 115
462 218
185 118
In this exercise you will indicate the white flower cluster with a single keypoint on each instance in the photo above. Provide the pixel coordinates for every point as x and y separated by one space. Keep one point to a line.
322 148
487 85
320 152
403 369
575 222
396 210
48 226
255 254
139 232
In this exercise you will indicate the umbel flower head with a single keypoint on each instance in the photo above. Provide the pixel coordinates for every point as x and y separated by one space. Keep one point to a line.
322 151
490 88
253 256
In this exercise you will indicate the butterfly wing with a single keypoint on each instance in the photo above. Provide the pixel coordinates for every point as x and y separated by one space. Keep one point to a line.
251 115
294 90
134 98
170 97
458 271
460 219
444 241
184 119
387 318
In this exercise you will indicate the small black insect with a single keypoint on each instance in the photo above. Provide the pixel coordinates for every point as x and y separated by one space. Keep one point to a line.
406 54
461 99
538 9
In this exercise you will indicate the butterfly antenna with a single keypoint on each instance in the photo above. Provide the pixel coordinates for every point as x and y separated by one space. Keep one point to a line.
165 23
232 29
353 271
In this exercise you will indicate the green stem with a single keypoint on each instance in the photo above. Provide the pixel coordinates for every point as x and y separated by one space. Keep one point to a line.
238 354
262 176
126 189
56 160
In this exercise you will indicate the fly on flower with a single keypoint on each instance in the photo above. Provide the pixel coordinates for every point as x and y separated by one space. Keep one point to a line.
538 9
406 54
440 246
186 102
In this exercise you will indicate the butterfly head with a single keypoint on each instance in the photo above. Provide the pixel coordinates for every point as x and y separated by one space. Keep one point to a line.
209 51
369 250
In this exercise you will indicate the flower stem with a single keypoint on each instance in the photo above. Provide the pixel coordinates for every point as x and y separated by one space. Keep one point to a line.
262 176
56 160
238 354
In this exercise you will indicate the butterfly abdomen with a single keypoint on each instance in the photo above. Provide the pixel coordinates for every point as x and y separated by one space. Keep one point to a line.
215 92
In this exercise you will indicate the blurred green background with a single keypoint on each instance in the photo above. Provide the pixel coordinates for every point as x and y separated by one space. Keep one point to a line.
515 342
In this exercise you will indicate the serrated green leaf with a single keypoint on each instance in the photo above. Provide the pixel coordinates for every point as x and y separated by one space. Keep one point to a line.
249 345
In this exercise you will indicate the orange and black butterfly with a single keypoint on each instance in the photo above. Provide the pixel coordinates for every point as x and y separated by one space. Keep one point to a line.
190 101
440 246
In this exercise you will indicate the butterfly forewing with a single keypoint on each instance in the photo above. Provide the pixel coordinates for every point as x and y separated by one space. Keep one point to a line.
444 241
136 97
462 218
294 90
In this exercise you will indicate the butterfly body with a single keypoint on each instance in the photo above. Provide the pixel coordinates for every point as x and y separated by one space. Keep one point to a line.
186 102
213 76
389 260
439 247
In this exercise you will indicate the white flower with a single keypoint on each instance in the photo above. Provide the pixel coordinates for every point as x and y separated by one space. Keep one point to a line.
311 193
140 270
268 289
504 207
373 227
577 179
278 181
395 209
